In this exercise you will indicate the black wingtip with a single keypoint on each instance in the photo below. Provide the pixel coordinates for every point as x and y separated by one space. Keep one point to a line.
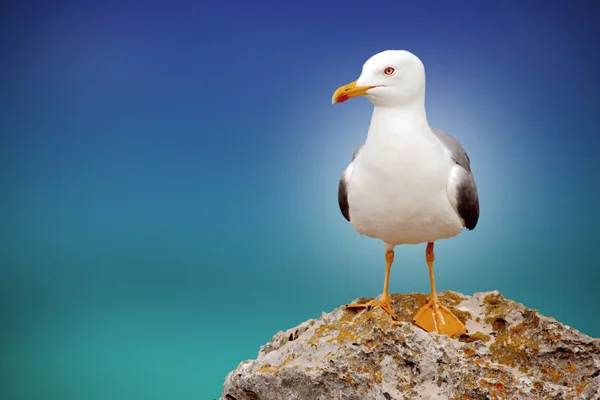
343 199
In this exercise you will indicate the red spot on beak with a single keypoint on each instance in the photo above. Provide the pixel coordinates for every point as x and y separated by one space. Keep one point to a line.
342 98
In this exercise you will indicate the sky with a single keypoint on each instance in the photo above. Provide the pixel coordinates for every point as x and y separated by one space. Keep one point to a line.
169 171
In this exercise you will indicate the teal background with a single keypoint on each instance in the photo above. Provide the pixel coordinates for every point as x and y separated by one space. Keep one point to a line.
168 177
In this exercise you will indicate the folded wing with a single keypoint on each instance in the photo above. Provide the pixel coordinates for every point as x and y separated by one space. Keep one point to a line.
461 189
343 185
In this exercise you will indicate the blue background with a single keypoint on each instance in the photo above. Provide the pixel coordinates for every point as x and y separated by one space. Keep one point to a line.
168 187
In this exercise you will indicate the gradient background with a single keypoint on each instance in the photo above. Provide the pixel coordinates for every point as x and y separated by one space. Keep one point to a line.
168 187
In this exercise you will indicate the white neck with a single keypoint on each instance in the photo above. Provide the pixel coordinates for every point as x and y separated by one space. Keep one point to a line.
400 119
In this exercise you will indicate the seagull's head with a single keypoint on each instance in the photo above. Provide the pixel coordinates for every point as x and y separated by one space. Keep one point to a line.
391 78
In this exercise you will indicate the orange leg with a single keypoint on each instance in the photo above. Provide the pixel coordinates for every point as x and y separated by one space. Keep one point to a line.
434 317
384 302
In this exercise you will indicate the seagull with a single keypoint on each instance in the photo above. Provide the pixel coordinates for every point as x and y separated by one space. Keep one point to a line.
407 183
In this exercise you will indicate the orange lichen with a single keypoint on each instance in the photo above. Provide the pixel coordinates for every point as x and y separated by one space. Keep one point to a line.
469 351
552 373
270 369
517 339
523 369
378 377
552 337
570 367
468 338
580 388
513 346
267 368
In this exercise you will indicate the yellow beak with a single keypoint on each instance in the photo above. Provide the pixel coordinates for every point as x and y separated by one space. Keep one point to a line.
348 91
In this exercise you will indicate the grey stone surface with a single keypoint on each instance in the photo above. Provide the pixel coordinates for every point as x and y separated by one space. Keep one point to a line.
510 352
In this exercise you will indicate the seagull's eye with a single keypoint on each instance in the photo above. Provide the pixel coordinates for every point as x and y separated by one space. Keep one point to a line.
389 71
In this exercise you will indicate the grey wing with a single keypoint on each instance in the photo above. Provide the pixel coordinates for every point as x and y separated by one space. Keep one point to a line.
462 190
343 186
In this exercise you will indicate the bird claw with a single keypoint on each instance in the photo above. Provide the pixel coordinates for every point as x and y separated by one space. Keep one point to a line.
434 317
384 303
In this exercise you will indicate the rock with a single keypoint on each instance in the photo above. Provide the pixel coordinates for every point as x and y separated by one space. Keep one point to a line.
510 352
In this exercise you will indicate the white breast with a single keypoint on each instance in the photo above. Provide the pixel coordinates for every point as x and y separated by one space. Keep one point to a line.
397 190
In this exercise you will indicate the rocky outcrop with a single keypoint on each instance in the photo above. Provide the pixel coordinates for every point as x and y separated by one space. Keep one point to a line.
510 352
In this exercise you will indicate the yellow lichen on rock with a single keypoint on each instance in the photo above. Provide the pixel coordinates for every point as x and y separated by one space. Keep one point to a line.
510 352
